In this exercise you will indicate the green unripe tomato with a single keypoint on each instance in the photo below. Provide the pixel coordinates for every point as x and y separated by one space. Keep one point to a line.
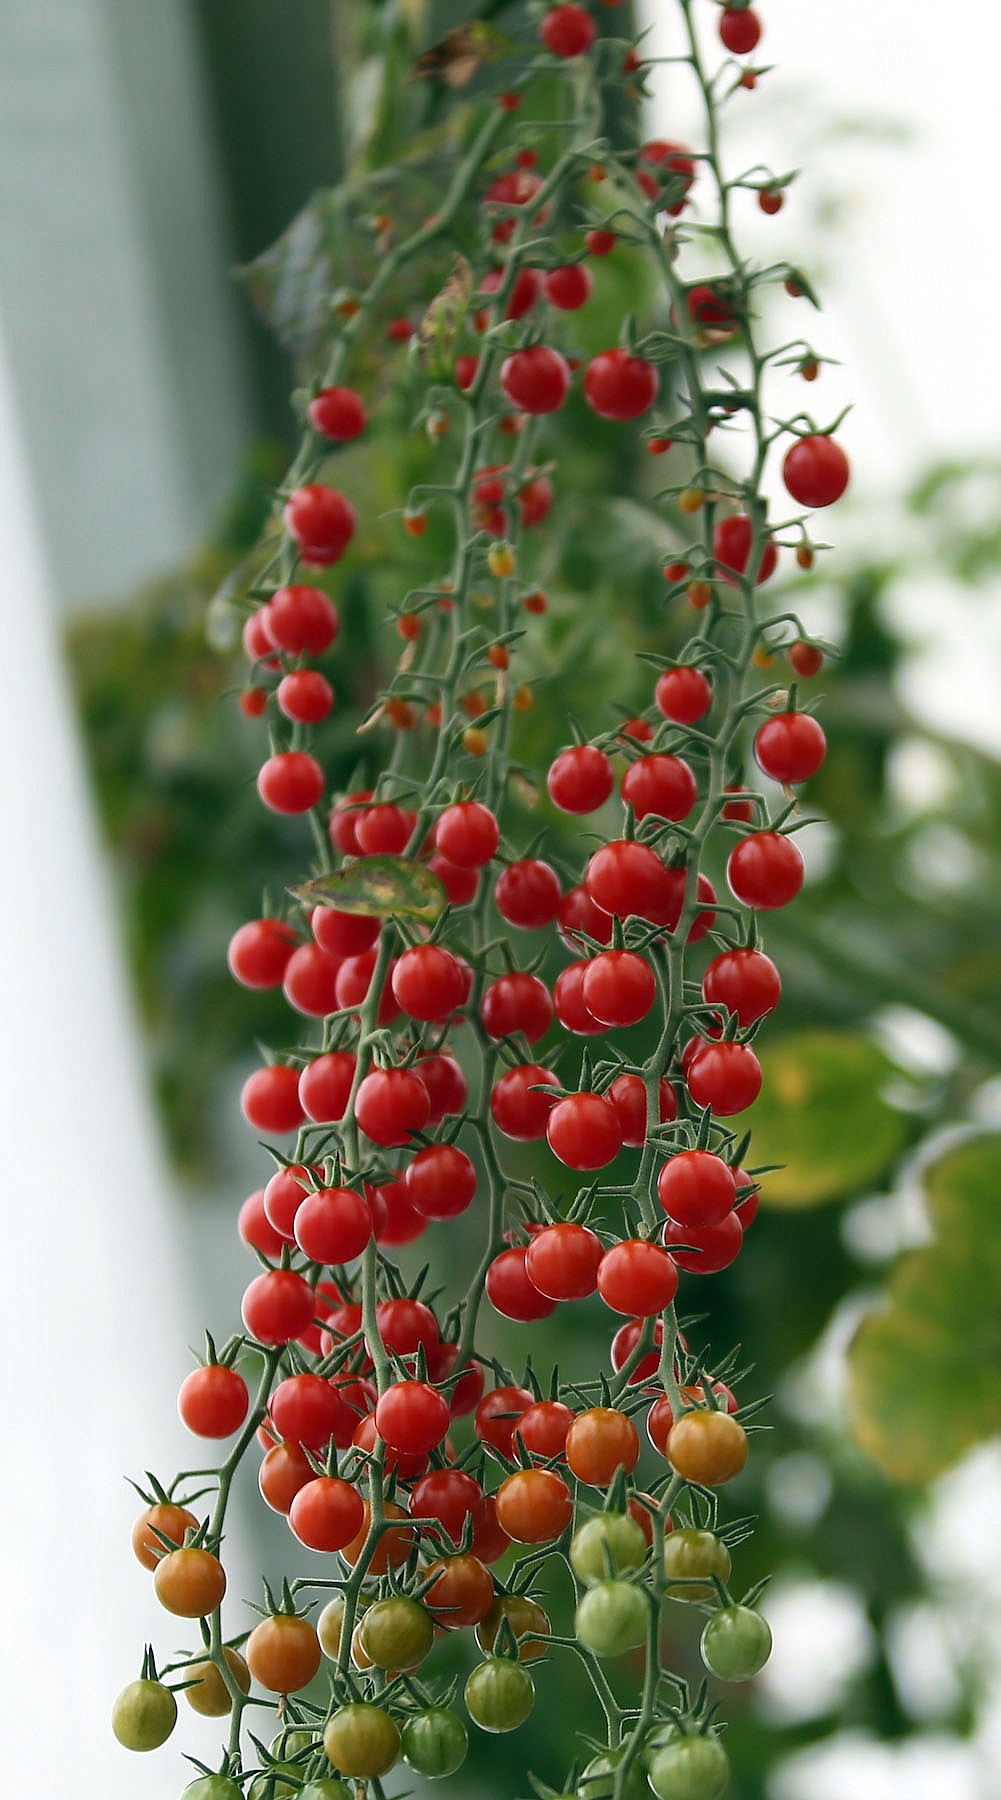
597 1781
499 1695
397 1633
736 1643
292 1742
362 1741
659 1738
435 1742
327 1788
278 1783
328 1626
695 1768
612 1617
688 1554
213 1787
144 1715
606 1546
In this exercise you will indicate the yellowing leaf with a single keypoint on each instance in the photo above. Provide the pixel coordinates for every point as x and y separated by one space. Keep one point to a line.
821 1114
379 887
925 1371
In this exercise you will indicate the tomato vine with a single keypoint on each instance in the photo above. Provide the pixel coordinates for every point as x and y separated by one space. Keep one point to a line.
427 1026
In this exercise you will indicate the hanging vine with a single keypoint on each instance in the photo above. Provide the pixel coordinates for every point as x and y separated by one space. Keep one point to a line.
431 1487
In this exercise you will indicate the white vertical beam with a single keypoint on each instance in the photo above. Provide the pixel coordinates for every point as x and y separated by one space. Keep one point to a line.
115 295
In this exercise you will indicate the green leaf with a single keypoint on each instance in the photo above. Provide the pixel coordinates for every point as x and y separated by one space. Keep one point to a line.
379 887
925 1372
822 1116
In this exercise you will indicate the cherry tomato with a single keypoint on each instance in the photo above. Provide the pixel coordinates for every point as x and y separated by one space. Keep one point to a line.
707 1447
412 1417
584 1131
612 1617
816 471
499 1695
661 785
284 1470
440 1182
397 1633
283 1653
637 1277
498 1414
736 1643
526 1620
434 1742
599 1443
467 834
542 1430
609 1544
528 894
790 747
270 1100
362 1741
207 1692
390 1105
462 1592
745 982
517 1003
162 1520
619 987
726 1077
301 620
144 1715
683 694
628 1096
190 1582
696 1188
259 952
337 413
326 1513
321 521
691 1768
568 30
562 1261
519 1105
739 29
394 1546
534 1506
449 1496
581 779
690 1556
706 1249
511 1291
620 386
536 380
734 544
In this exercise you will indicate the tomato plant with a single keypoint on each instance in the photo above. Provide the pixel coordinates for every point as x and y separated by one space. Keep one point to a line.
415 957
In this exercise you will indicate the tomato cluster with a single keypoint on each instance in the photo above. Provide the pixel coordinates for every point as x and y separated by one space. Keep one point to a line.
409 1466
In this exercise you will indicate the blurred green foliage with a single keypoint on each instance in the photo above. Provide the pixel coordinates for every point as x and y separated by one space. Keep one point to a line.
901 913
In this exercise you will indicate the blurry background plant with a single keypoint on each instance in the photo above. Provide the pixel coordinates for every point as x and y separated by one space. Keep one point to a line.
878 1098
